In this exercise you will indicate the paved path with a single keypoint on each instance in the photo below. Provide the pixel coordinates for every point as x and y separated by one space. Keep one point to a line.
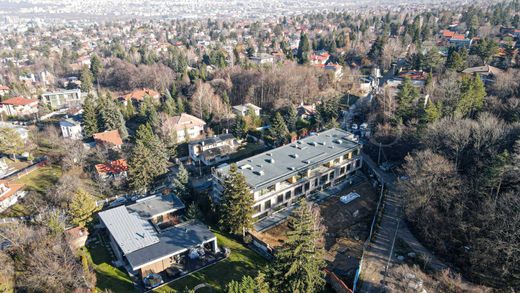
392 225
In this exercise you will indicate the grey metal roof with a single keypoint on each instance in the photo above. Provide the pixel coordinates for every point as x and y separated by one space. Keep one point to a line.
171 241
281 163
130 231
152 206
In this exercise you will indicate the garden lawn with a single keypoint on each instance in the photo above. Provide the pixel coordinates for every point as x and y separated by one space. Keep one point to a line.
108 276
41 179
242 261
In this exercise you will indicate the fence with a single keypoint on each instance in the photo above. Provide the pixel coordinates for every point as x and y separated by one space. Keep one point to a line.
370 235
22 172
337 284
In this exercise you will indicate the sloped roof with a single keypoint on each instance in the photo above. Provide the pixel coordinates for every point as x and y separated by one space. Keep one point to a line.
186 121
12 188
18 101
114 167
485 70
111 137
130 231
139 94
171 241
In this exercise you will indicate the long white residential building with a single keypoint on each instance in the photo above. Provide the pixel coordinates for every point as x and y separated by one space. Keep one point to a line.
279 176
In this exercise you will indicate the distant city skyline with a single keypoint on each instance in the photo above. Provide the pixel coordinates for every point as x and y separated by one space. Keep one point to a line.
124 9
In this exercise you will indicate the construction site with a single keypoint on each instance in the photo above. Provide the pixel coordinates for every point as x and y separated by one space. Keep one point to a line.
347 225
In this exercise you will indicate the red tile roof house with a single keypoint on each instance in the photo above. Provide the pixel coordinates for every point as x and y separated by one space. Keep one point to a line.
9 194
19 106
320 58
114 169
139 94
110 138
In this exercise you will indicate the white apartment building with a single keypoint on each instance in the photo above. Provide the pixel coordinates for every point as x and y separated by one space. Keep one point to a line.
279 176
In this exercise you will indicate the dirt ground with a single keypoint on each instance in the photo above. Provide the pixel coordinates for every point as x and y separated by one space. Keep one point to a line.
347 227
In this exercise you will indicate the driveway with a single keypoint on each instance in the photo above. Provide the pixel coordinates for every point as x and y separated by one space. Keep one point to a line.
376 257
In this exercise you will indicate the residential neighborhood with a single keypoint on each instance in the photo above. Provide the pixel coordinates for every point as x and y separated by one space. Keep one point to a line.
260 146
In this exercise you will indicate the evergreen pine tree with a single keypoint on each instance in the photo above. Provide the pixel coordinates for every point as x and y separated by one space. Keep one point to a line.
472 97
90 119
95 66
239 130
303 53
225 98
169 106
193 211
181 108
236 207
291 118
181 182
173 91
141 167
130 109
86 80
246 285
278 130
153 118
405 97
81 208
299 262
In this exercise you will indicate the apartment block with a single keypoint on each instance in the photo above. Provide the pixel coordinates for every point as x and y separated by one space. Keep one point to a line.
279 176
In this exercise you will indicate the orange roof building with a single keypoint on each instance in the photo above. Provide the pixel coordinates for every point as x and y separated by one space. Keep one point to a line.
115 168
19 106
111 137
139 94
20 101
9 194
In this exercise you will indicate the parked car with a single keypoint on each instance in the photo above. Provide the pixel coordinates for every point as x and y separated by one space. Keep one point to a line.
152 281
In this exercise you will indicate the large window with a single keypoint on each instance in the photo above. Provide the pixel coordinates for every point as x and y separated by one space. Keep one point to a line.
288 195
279 199
257 208
298 191
358 163
324 179
349 167
307 186
267 205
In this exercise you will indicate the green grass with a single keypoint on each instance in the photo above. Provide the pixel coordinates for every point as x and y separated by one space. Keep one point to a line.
108 276
242 261
41 179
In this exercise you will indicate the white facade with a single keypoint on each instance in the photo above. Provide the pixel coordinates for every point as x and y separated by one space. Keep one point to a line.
63 99
71 129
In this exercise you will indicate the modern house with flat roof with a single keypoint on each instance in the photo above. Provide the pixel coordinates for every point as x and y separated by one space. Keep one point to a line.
148 237
213 150
63 98
279 176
